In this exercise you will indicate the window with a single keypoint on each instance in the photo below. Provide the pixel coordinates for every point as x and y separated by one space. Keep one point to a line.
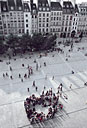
26 20
26 25
47 14
47 9
39 14
47 30
39 25
0 23
44 9
10 14
43 19
19 8
19 30
54 13
0 27
8 25
43 25
63 17
3 15
51 13
76 14
47 25
12 8
70 23
39 30
63 23
4 25
47 19
57 18
39 8
66 29
26 15
27 31
70 17
67 17
43 14
43 29
57 13
39 19
46 4
54 18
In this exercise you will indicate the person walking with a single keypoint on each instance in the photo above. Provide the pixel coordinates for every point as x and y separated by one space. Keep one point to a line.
33 83
28 89
53 78
36 88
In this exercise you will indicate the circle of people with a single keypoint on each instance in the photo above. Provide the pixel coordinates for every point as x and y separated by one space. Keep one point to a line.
46 99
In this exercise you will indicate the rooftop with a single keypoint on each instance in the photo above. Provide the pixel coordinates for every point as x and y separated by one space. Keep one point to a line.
55 6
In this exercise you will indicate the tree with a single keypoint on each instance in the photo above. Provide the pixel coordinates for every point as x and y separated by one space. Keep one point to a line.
2 46
37 42
26 43
13 41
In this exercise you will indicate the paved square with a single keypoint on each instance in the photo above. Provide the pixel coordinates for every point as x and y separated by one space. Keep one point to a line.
14 92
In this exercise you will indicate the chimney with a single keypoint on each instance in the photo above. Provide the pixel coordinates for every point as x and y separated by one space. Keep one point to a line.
31 2
74 2
49 1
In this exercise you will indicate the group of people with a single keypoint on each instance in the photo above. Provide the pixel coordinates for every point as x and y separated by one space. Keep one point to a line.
26 75
47 99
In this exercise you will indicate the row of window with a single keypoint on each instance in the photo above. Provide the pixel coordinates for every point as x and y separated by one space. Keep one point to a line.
55 29
67 17
13 25
56 24
44 30
15 31
74 23
55 18
44 9
44 14
44 20
44 25
66 29
56 13
66 23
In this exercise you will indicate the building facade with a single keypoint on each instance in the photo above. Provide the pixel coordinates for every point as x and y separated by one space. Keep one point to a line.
75 21
56 18
68 13
18 17
43 16
82 25
27 18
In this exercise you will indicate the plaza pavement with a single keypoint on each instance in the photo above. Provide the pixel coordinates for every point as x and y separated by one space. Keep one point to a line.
14 92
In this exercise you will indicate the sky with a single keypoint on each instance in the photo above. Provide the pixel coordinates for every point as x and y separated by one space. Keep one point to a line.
77 1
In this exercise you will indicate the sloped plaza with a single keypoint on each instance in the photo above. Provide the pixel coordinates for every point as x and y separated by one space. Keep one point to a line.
13 91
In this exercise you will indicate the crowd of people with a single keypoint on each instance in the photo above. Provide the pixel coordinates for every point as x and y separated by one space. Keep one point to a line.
47 99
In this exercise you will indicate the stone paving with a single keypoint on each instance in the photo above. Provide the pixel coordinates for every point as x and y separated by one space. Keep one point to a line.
14 92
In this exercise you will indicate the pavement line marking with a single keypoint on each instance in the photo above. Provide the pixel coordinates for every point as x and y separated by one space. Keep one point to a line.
85 72
83 76
68 82
11 85
77 80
